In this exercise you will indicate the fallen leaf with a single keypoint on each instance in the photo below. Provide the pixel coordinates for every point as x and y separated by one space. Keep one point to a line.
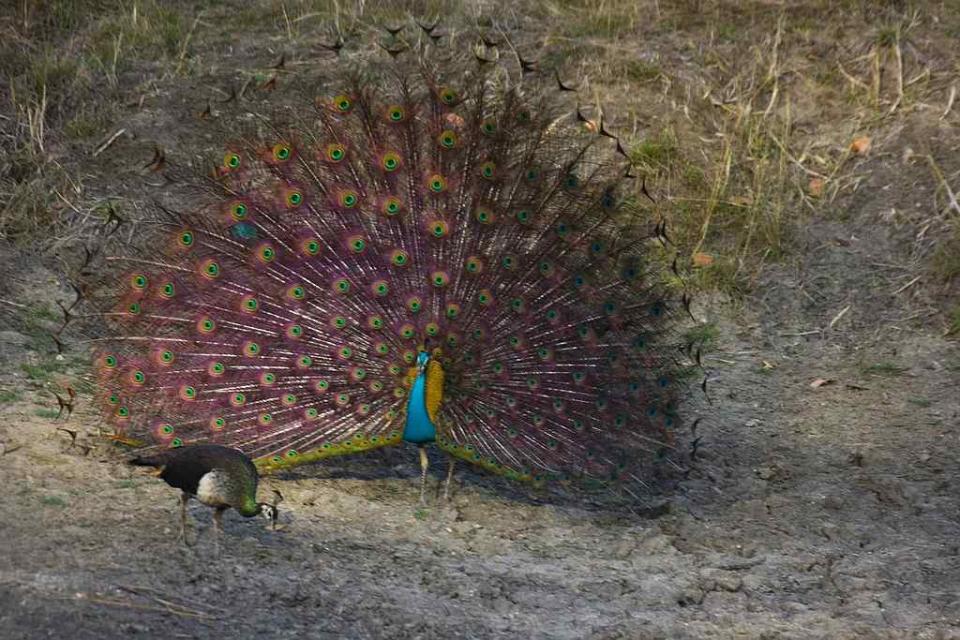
767 366
590 126
860 145
816 187
821 382
702 259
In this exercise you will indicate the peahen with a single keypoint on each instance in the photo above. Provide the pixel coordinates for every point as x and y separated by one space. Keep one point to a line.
443 249
217 476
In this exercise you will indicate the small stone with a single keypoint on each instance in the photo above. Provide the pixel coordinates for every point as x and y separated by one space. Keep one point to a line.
502 605
690 596
766 473
624 548
833 502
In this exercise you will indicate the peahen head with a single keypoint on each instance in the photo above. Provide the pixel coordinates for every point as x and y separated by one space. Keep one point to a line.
268 509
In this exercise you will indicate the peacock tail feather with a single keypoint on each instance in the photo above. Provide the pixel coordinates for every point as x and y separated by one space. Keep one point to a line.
434 201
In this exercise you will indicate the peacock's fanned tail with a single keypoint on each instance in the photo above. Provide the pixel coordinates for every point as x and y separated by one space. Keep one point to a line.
457 206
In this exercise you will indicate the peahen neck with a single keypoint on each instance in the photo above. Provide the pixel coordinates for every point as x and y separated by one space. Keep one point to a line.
419 428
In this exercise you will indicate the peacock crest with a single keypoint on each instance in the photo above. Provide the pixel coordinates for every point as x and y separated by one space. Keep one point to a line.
437 212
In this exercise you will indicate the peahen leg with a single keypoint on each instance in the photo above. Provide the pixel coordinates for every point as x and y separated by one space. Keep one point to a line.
217 529
424 463
446 485
182 535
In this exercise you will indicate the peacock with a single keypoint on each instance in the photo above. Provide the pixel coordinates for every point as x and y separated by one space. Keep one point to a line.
217 476
443 248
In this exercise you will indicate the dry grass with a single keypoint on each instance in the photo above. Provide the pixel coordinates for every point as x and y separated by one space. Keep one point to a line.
740 114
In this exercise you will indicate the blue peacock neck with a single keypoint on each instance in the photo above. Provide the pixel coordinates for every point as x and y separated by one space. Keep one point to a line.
419 428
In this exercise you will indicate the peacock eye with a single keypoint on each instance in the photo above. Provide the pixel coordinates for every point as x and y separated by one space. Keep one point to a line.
342 103
474 265
336 152
348 199
267 253
484 216
231 161
395 114
400 258
391 161
282 152
448 139
439 228
391 206
294 199
447 95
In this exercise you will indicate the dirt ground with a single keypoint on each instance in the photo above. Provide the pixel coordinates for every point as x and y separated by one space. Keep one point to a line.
823 499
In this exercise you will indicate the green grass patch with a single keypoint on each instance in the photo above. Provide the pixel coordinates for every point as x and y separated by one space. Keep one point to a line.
953 326
53 501
8 396
656 155
46 413
42 371
704 336
887 369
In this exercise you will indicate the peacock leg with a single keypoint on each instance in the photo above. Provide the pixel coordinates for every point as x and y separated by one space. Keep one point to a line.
424 463
182 535
446 485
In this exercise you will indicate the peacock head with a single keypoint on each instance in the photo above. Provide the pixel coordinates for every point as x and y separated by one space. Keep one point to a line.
422 359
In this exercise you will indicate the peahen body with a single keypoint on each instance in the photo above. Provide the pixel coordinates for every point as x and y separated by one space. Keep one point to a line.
218 476
437 251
